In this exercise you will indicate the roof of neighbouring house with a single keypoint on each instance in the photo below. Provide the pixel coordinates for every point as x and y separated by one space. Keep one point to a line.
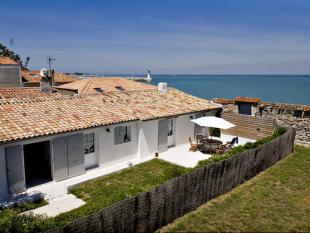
21 119
247 99
89 85
7 61
21 92
223 101
33 76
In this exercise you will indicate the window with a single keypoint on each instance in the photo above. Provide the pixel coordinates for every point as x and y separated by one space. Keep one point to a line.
122 134
120 88
89 143
170 127
99 89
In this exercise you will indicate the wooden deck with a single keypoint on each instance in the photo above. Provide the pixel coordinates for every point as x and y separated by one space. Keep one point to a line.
249 126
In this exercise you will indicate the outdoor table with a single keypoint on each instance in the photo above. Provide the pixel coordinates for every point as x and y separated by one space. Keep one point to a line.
212 144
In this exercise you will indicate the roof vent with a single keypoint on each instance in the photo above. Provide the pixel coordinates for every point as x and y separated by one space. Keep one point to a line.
163 87
99 89
120 88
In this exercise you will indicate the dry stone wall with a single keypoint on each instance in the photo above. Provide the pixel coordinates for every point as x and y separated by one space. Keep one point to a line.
149 211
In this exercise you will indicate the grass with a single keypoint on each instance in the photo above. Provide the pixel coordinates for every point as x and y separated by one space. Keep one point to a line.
277 200
10 219
101 193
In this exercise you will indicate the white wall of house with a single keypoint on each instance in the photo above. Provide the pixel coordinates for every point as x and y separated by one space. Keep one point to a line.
3 178
184 129
109 153
148 138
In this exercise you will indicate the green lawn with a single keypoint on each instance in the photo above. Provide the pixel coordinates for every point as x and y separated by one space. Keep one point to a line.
276 200
99 193
9 218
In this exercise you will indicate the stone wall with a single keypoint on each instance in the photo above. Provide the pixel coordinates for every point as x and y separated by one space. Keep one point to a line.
302 125
293 115
149 211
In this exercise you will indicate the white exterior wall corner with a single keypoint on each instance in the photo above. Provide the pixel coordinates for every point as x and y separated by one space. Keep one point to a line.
109 153
184 129
148 138
3 176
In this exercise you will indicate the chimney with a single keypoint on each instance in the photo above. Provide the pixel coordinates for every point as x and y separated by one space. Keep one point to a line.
163 87
47 80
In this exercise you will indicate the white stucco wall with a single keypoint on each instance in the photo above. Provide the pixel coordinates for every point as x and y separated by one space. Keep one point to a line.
148 138
3 178
184 129
109 153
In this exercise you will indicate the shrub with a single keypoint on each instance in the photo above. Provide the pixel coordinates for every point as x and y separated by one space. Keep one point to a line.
239 149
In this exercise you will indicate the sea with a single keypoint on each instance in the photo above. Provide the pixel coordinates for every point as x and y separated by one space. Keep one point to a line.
294 89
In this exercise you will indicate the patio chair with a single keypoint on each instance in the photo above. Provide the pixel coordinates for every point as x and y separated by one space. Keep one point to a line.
222 149
199 139
232 143
194 146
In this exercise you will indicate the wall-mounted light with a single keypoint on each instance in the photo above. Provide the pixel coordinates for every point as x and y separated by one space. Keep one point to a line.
108 130
191 117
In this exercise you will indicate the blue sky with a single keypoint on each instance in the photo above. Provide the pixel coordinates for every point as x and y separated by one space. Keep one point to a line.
166 36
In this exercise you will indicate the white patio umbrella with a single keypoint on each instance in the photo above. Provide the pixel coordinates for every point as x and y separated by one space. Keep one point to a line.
213 122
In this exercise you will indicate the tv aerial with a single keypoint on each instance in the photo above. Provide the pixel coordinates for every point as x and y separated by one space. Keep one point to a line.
50 59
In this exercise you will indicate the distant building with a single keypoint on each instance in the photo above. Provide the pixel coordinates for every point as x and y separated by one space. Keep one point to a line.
31 78
247 105
10 72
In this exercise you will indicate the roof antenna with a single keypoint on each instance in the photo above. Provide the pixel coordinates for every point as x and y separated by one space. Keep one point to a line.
50 59
12 44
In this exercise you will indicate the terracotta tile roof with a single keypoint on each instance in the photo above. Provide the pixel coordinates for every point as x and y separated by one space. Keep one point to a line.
33 76
223 101
21 92
88 85
21 119
247 99
7 61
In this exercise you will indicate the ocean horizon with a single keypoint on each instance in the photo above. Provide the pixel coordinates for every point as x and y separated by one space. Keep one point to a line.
293 89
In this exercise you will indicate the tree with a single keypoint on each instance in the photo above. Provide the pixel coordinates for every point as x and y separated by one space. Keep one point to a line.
4 51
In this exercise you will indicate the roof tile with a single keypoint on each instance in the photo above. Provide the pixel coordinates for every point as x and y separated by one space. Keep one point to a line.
7 61
45 116
107 84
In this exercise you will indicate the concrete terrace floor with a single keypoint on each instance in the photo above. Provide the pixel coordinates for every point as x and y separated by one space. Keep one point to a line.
181 155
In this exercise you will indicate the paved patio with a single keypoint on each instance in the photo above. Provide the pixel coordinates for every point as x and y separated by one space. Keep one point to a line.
181 155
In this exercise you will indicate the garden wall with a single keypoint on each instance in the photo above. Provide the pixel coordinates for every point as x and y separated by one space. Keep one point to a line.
148 211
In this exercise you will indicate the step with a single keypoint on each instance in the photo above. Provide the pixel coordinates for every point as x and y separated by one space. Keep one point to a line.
59 205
